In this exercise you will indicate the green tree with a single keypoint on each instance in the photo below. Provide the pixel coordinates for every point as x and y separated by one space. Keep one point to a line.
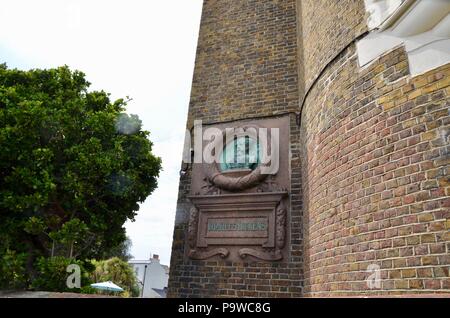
121 251
73 166
117 271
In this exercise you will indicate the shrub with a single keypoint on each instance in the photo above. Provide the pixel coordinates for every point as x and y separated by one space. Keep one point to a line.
52 274
12 270
119 272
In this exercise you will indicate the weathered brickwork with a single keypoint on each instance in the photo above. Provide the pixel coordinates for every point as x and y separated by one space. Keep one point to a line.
328 26
192 278
369 154
246 67
246 60
375 164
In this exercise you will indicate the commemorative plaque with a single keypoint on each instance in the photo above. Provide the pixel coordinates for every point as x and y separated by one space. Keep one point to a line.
240 213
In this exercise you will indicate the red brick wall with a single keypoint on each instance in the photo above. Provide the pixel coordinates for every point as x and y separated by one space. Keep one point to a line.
246 60
369 163
327 27
246 67
375 163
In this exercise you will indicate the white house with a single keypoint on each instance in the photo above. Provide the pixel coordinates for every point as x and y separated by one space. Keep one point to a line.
153 277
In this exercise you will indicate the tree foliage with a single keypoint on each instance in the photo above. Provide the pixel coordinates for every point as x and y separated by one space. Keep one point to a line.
73 166
121 251
12 269
52 274
117 271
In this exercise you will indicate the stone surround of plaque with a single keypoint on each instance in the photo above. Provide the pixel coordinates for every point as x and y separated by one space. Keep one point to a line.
239 213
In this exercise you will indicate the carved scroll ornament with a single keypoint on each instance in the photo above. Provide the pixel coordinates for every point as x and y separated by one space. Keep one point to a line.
266 256
192 228
199 255
281 226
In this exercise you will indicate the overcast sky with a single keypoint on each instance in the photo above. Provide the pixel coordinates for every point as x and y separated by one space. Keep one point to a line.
144 49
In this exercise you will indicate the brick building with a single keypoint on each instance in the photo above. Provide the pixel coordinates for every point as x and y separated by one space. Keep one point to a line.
360 92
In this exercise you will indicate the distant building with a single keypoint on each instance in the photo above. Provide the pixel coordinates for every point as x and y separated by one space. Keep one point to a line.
152 277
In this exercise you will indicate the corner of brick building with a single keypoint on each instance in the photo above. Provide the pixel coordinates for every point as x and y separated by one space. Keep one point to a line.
369 160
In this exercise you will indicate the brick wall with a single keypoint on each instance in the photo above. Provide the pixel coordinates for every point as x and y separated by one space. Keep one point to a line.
328 26
375 161
246 67
246 60
369 163
192 278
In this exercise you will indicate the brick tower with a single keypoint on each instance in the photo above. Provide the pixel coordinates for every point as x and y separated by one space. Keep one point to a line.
359 93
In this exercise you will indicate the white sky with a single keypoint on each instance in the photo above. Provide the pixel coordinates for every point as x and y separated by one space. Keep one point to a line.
144 49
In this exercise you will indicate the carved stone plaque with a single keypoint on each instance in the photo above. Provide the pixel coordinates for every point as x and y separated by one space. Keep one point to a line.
244 228
236 226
